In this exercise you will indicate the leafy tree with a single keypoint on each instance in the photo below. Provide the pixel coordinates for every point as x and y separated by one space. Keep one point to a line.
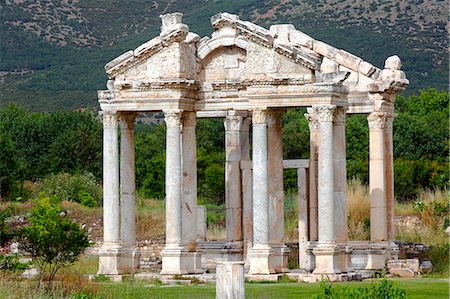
52 240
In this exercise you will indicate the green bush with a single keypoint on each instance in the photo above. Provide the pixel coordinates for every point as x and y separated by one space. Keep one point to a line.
5 234
81 188
439 257
52 240
12 263
379 290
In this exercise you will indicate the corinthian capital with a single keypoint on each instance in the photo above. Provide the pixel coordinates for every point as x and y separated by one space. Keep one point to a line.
377 120
313 119
127 121
259 116
339 115
233 123
274 117
172 117
110 120
325 113
189 119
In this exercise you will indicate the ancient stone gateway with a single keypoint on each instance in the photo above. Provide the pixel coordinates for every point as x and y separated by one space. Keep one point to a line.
249 76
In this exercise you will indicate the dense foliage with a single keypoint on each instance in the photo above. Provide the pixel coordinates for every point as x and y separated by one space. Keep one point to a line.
51 238
36 145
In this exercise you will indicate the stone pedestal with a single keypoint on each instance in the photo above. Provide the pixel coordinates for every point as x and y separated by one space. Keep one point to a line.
259 259
230 280
376 256
177 260
327 259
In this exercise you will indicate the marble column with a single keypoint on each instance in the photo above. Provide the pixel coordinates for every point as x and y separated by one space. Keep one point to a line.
191 256
247 198
313 172
260 252
340 189
189 180
129 256
326 251
304 260
390 199
279 257
109 253
230 280
377 189
233 193
171 254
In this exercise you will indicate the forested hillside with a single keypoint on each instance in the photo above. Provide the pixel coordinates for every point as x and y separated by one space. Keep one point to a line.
52 52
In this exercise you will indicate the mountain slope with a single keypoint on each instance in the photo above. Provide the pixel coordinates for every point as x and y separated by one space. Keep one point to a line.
52 52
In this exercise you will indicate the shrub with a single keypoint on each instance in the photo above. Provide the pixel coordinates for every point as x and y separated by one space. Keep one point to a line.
439 257
378 290
12 263
52 240
5 234
81 188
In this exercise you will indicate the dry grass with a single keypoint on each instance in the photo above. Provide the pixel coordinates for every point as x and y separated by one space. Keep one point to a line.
150 218
358 201
216 232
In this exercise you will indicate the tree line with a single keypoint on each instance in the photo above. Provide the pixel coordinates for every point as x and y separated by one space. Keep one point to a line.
36 145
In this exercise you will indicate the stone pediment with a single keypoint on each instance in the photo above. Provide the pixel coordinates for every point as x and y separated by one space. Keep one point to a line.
241 61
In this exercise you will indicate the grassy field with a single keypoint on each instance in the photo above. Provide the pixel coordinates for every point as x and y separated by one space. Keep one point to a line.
417 289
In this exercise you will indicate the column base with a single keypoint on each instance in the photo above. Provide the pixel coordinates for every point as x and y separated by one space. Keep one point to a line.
377 256
327 258
279 258
115 261
306 258
345 258
177 260
259 259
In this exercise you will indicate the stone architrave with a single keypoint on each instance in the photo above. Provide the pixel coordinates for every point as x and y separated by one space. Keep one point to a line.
109 253
259 255
279 258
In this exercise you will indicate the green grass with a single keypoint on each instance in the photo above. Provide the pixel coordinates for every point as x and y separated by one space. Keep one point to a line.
417 289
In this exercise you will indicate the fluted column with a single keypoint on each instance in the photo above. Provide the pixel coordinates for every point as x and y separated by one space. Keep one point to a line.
260 252
326 174
233 193
276 190
108 254
111 213
326 252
